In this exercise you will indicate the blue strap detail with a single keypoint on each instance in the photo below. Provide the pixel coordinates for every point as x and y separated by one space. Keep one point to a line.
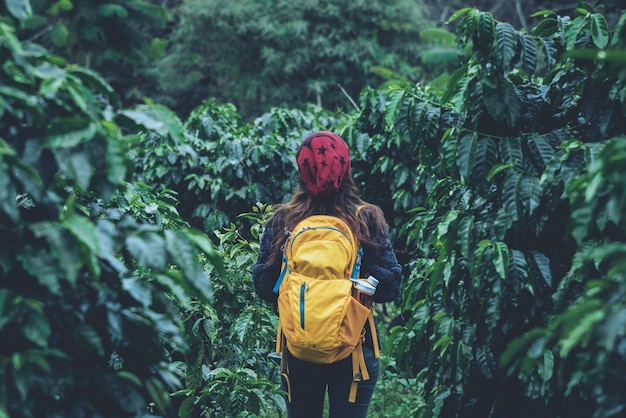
357 265
281 276
302 291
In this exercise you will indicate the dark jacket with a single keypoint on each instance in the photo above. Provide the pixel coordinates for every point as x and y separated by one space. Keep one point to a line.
380 263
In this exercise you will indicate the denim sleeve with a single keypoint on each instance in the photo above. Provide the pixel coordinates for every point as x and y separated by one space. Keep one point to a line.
264 274
383 265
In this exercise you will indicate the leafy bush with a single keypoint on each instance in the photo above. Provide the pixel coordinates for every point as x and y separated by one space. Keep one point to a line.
87 293
119 39
228 371
220 164
260 55
484 179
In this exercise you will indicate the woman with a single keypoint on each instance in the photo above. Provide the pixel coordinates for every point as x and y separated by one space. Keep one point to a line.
327 188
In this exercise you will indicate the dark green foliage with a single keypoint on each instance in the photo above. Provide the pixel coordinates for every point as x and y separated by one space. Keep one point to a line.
227 369
503 182
88 294
263 54
486 180
221 163
120 39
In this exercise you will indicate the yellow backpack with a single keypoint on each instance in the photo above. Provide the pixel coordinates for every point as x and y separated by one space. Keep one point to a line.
319 320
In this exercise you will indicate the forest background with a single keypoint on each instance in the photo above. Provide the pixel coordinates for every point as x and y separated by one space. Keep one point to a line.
142 142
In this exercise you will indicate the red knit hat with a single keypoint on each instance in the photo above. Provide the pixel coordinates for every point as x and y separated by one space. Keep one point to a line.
324 162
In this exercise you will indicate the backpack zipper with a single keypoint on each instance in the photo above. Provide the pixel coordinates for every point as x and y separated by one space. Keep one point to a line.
303 289
308 228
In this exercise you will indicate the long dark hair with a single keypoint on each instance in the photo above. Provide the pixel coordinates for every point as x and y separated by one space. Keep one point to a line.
368 225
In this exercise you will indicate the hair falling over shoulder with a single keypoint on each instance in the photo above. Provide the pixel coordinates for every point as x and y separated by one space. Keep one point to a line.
343 204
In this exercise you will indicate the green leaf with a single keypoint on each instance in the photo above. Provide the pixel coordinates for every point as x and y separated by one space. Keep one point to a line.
511 151
537 348
518 348
35 326
542 150
139 290
618 31
444 225
501 258
156 49
243 325
113 11
547 370
584 319
64 255
543 13
486 157
202 241
76 165
69 132
465 236
59 35
183 252
8 196
599 30
458 14
175 285
59 7
148 249
95 81
510 195
85 231
506 39
530 194
116 157
439 35
87 336
498 168
457 85
541 266
155 118
550 51
42 265
580 221
572 31
20 9
518 268
486 361
503 103
485 30
466 155
529 54
392 108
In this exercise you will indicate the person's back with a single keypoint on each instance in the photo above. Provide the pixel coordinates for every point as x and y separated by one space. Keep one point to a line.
327 189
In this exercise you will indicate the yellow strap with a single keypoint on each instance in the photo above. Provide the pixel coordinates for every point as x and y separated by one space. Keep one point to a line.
352 395
281 347
279 337
359 371
359 352
370 319
286 376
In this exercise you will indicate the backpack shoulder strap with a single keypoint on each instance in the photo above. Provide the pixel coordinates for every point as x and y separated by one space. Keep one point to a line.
359 368
357 266
282 274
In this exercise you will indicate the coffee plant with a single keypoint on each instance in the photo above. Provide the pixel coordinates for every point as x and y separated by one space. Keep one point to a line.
503 188
230 369
503 182
219 164
88 290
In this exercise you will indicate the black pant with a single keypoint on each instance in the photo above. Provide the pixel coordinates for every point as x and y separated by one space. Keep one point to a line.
309 382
